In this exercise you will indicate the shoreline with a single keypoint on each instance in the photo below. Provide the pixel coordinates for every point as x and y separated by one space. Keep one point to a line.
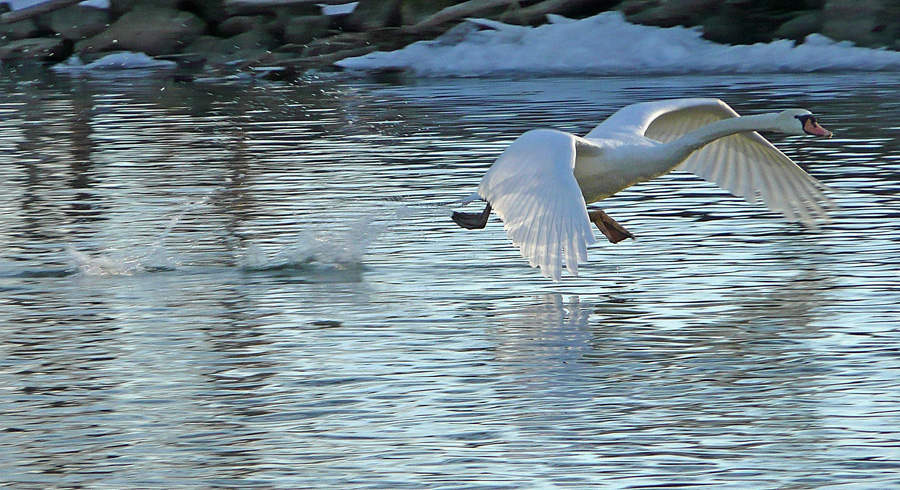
290 37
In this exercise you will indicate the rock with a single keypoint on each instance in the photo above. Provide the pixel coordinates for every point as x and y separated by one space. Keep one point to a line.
245 48
119 8
334 44
742 23
149 29
671 13
800 26
722 29
864 22
257 39
40 48
305 29
375 14
235 7
203 44
240 24
77 22
24 29
633 7
211 11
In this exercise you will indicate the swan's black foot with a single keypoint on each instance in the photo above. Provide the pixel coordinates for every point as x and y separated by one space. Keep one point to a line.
608 226
472 221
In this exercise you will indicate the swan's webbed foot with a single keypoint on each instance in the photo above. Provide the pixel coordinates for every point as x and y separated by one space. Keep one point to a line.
608 226
472 221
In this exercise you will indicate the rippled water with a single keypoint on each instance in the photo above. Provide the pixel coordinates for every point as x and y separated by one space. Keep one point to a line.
258 286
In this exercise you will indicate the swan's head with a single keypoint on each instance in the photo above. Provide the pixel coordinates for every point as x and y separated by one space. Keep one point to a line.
800 122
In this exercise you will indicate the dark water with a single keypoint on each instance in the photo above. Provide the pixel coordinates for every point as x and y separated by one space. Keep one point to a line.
257 286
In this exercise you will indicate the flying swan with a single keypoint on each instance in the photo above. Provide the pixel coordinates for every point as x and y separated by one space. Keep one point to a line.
540 185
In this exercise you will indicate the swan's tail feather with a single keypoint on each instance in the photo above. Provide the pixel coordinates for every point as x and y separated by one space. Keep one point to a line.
613 231
466 200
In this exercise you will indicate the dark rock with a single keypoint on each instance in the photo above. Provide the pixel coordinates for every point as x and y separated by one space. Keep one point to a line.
742 23
77 22
246 48
722 29
204 44
333 44
634 7
375 14
240 24
40 48
211 11
800 26
152 30
672 13
119 8
864 22
24 29
305 29
243 8
256 39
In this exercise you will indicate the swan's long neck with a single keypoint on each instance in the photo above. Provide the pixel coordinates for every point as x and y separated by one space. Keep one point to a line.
682 147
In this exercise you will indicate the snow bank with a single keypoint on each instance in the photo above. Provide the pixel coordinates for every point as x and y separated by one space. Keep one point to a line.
608 45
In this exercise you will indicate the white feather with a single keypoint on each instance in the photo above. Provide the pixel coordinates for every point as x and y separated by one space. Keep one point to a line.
532 188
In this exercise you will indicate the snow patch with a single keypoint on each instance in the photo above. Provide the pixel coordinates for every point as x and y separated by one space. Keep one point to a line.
342 9
113 62
606 44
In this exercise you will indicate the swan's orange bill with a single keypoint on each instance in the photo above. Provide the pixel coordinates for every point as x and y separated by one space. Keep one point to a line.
813 128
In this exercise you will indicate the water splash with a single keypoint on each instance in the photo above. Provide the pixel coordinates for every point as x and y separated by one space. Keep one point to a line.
319 251
332 251
153 259
104 264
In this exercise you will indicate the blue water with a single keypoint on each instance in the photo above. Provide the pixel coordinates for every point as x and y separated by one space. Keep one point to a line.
257 286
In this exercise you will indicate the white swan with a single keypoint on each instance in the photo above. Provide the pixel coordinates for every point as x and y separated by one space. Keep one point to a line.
540 184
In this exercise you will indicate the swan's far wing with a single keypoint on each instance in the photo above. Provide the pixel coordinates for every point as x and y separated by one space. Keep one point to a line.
673 117
533 189
745 164
748 166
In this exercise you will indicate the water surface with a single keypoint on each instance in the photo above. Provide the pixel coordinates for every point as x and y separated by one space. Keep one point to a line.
257 286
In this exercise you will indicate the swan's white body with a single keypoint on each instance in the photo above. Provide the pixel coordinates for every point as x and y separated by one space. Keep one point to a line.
540 185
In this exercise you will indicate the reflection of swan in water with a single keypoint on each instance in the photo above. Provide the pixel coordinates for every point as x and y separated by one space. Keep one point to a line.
540 184
547 331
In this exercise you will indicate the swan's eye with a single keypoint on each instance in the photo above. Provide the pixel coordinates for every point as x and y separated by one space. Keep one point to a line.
806 118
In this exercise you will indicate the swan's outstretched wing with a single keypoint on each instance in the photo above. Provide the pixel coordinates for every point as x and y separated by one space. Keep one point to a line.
532 188
745 164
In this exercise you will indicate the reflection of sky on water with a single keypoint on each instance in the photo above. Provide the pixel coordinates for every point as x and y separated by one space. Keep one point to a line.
302 313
